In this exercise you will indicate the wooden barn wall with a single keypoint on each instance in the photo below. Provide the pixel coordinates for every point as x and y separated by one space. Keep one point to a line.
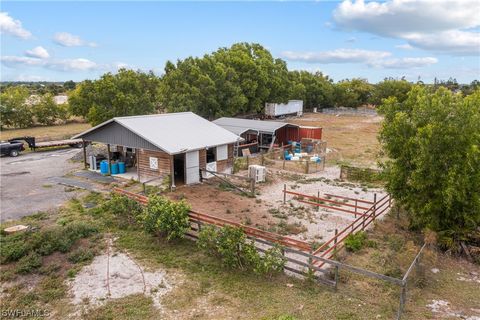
202 155
164 164
227 164
285 134
310 133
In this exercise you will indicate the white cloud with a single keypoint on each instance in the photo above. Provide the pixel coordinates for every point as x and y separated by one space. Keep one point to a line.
79 64
405 46
69 40
425 24
8 25
14 61
38 52
336 56
404 63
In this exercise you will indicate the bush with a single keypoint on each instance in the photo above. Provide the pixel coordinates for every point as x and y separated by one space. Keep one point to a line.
124 209
29 263
167 217
230 244
355 242
81 255
12 249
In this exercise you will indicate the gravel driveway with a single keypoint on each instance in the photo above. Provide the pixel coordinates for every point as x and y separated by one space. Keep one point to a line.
27 182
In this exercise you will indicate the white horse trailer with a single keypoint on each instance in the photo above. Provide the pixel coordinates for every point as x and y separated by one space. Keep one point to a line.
282 109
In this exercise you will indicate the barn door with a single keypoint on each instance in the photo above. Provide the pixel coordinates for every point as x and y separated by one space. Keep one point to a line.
192 167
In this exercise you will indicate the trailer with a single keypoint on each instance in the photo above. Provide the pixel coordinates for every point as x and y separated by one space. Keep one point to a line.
282 109
33 144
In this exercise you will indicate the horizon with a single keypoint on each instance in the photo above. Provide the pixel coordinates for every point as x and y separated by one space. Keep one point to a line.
42 41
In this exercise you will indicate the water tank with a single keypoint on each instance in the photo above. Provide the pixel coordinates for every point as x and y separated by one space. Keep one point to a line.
121 167
114 168
104 167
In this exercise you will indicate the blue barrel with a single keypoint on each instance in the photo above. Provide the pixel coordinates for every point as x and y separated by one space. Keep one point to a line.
309 149
104 167
121 167
114 168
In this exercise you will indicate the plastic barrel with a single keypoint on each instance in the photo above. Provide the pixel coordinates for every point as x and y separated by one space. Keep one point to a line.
114 168
309 149
121 167
104 167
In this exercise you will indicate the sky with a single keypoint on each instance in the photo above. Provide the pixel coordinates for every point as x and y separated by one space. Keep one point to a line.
60 41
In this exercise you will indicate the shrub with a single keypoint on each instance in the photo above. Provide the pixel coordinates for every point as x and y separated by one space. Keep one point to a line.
167 217
124 209
29 263
81 255
231 245
355 242
271 262
12 250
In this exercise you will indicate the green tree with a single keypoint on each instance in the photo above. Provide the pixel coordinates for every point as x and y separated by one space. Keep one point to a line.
390 87
315 89
69 85
47 112
125 93
15 112
229 81
353 93
433 142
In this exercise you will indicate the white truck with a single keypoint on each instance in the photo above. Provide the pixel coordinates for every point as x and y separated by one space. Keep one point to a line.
281 109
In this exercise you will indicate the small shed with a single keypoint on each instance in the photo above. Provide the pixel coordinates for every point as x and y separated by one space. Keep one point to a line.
267 133
177 145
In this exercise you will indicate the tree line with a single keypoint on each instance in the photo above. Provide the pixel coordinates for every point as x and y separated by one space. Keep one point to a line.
230 81
20 109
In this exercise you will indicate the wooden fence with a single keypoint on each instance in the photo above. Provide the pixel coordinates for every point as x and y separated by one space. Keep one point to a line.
300 257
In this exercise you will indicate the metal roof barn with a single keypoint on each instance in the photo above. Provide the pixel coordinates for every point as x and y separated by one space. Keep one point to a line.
239 126
172 133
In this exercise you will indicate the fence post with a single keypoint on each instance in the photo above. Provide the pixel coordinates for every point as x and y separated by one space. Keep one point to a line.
252 186
374 205
318 201
403 296
336 278
356 207
283 163
284 193
335 244
307 167
263 159
248 161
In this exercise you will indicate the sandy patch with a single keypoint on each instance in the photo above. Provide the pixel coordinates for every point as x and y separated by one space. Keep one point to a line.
442 308
115 275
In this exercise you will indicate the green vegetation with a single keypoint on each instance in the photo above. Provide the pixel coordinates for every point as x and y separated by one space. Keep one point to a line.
20 110
356 241
231 246
125 210
432 140
125 93
166 217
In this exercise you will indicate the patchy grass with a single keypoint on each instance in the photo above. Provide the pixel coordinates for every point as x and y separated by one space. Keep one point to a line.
45 133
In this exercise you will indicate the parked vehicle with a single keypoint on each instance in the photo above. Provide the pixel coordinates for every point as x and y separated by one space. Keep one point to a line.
11 148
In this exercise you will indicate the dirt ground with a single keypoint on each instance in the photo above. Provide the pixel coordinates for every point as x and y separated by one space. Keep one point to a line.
349 138
267 210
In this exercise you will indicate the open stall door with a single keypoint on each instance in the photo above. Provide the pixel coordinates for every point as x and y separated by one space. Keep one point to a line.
192 167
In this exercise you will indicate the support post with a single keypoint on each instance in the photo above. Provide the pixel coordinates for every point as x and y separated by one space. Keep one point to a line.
248 161
374 205
284 193
252 186
335 244
172 173
108 159
284 163
336 278
318 201
403 296
84 154
307 167
263 159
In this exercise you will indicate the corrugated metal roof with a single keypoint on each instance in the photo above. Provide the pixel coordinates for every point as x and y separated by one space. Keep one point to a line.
174 132
239 126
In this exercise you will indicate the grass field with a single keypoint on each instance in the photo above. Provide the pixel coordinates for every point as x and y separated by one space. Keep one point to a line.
351 139
204 289
46 133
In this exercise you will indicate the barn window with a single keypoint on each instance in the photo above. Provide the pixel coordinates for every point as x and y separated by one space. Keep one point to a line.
222 152
211 154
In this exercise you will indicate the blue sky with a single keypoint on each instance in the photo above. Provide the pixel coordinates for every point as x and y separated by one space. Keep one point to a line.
59 41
